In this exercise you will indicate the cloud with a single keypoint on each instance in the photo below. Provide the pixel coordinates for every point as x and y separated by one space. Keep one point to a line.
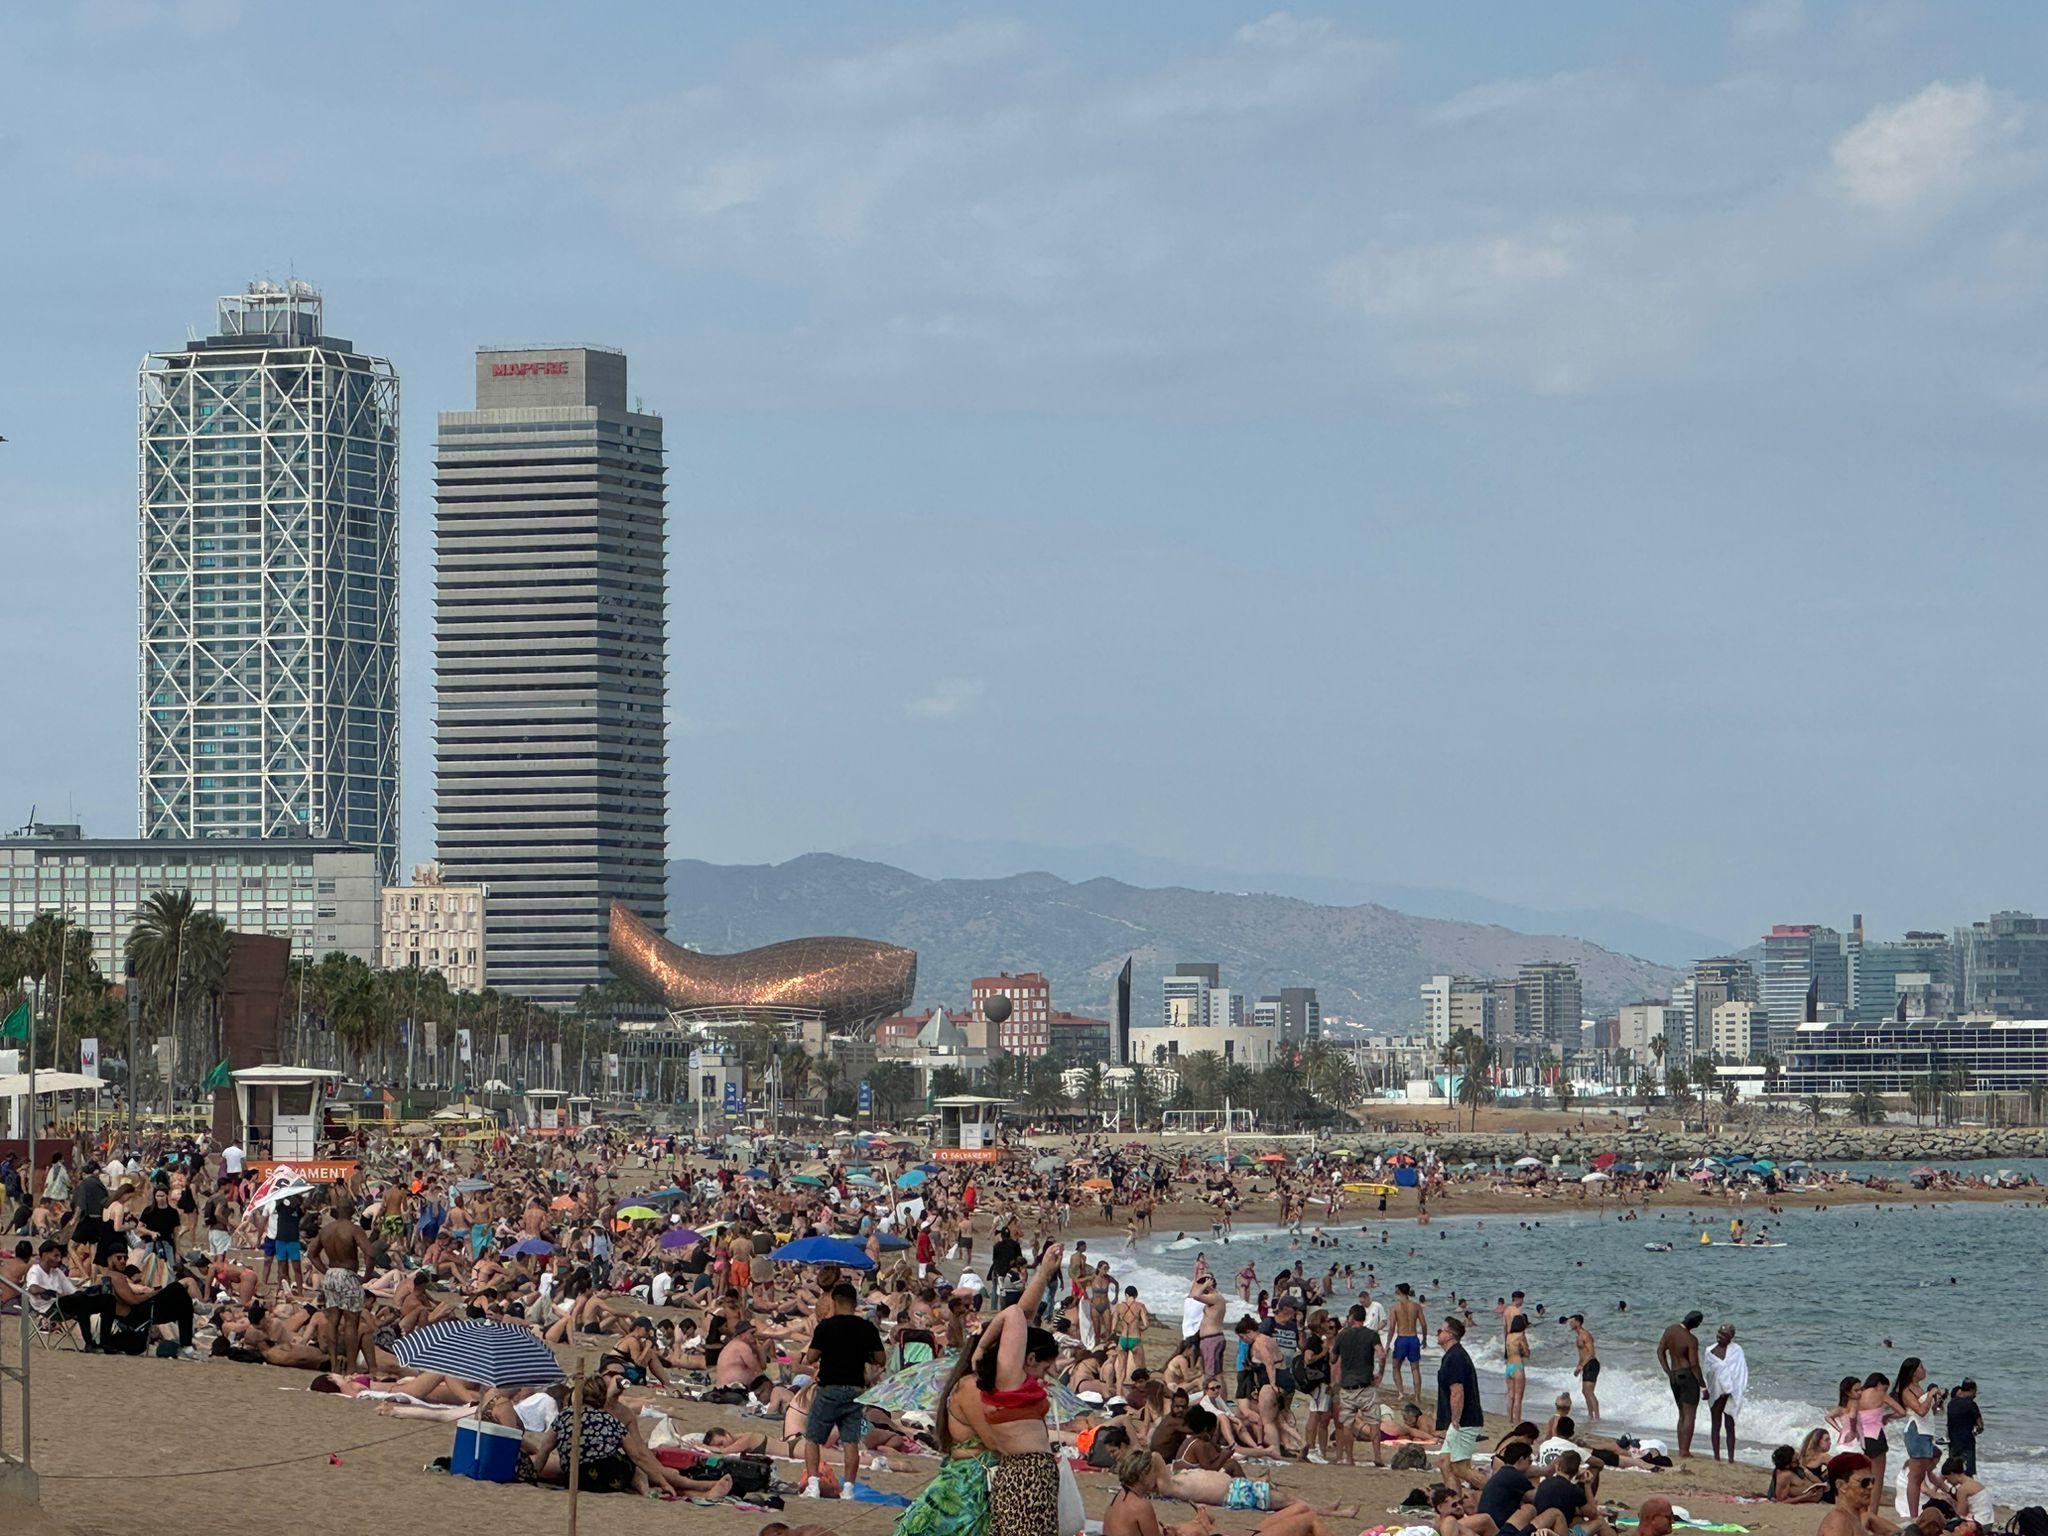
1459 278
1931 147
1769 21
1495 98
953 696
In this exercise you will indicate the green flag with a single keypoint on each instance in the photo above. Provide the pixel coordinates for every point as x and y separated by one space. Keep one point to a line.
16 1026
218 1077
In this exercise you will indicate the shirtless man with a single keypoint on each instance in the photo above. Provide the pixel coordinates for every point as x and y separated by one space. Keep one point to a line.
1678 1357
1210 1333
1406 1320
1854 1482
342 1252
1588 1368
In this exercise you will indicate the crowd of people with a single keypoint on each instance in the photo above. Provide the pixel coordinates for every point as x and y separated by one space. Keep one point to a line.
659 1258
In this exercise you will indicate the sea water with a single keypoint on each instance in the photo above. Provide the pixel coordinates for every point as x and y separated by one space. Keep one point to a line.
1859 1288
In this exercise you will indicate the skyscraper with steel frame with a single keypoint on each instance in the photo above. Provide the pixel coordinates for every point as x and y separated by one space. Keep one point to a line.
550 662
268 500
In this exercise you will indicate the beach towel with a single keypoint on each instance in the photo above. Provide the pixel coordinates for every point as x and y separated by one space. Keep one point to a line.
1727 1377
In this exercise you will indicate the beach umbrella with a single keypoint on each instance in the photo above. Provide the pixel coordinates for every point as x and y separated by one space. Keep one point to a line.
1703 1175
864 1180
680 1237
1241 1161
531 1248
910 1180
469 1186
1396 1152
1604 1160
486 1354
562 1203
1272 1157
1765 1165
667 1196
281 1192
1921 1173
639 1213
1528 1162
807 1178
934 1167
1097 1184
1595 1177
889 1242
1401 1159
755 1173
916 1390
1215 1157
1342 1152
824 1250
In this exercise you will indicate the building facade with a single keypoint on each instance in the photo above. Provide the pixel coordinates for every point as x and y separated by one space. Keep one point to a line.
268 553
1637 1024
437 927
1806 967
1735 1031
1556 1006
321 896
1999 1055
1079 1041
1722 979
1163 1045
551 660
2004 964
1457 1004
1301 1016
1918 971
1027 1030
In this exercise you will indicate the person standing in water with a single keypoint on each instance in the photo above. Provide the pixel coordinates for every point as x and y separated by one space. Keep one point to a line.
1678 1357
1727 1372
1588 1368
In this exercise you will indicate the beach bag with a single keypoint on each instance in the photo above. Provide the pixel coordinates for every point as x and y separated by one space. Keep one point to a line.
1073 1514
1410 1458
749 1474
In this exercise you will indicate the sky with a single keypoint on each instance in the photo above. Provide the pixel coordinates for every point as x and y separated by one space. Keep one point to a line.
1586 455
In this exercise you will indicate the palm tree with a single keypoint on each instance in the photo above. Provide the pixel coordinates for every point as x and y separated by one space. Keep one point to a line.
1703 1076
1814 1105
156 954
893 1086
1092 1088
1867 1106
208 946
1923 1094
1144 1098
1201 1078
2037 1099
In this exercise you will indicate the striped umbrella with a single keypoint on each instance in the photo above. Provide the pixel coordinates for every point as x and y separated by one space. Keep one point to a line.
487 1354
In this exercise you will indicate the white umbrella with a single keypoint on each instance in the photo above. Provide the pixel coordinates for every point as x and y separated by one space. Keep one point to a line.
281 1192
1596 1177
1528 1162
497 1085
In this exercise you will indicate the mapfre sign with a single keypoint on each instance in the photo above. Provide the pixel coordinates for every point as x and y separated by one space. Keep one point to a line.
529 370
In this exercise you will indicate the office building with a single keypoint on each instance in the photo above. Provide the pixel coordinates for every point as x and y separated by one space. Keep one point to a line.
1194 996
1452 1005
1637 1024
437 927
1735 1031
1510 1010
1027 1031
2004 965
1163 1045
268 545
1806 966
1722 979
1556 1008
1918 971
1301 1016
1266 1013
1998 1055
550 773
1075 1040
321 896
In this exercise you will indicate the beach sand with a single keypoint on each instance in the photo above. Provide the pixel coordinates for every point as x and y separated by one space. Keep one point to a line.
169 1448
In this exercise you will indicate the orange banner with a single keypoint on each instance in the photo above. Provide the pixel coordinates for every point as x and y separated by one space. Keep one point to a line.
312 1170
967 1154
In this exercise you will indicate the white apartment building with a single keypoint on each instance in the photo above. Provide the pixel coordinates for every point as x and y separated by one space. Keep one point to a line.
437 927
1735 1029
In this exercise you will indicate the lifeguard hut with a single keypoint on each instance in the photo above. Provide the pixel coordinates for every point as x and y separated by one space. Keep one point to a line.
552 1112
970 1128
280 1110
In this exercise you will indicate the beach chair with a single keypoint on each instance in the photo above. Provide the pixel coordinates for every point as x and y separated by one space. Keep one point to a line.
53 1330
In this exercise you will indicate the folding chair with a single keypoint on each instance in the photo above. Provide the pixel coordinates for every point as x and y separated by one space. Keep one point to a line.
53 1330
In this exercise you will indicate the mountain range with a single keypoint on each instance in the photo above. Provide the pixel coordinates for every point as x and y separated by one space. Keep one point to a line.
1628 933
1366 960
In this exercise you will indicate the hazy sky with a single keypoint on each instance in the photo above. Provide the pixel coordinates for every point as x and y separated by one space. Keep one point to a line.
1585 455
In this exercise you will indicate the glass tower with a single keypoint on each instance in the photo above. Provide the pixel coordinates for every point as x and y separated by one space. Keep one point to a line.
269 582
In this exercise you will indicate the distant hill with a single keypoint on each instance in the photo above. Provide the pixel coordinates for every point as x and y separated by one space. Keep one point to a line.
1631 933
1366 960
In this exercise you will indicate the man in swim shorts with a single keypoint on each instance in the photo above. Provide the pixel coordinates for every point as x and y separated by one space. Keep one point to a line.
1588 1368
1406 1320
1678 1357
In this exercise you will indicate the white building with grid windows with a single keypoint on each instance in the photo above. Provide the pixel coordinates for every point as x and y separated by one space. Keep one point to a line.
437 927
268 490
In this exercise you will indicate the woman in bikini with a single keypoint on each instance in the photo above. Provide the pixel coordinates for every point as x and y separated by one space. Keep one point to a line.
1009 1364
1517 1352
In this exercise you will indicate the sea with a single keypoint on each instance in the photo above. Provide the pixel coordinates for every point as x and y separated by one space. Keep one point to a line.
1857 1289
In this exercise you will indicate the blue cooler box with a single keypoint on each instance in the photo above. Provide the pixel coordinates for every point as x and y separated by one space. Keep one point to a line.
485 1451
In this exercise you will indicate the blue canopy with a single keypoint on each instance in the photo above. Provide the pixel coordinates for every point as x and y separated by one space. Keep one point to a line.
488 1354
823 1250
911 1179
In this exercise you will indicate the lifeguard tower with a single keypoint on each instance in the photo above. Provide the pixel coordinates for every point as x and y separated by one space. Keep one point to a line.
280 1110
970 1128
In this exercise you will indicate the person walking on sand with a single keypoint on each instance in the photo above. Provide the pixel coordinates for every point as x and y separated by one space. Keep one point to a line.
1678 1357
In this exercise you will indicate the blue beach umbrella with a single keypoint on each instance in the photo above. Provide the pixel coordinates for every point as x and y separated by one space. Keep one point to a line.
910 1180
531 1248
823 1250
473 1350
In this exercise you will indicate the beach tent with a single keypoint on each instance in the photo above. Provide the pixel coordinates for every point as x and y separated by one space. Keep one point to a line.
1407 1178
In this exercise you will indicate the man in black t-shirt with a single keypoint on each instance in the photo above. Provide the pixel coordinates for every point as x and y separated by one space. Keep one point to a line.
1563 1493
1508 1489
845 1348
1359 1369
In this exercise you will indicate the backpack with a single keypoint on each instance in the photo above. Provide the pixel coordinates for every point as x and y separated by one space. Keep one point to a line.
749 1474
1110 1442
1409 1458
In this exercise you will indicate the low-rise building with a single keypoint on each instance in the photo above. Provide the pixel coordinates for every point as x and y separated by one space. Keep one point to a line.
320 895
1998 1055
1078 1041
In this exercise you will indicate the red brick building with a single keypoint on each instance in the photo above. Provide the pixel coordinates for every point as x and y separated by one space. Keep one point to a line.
1028 1029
